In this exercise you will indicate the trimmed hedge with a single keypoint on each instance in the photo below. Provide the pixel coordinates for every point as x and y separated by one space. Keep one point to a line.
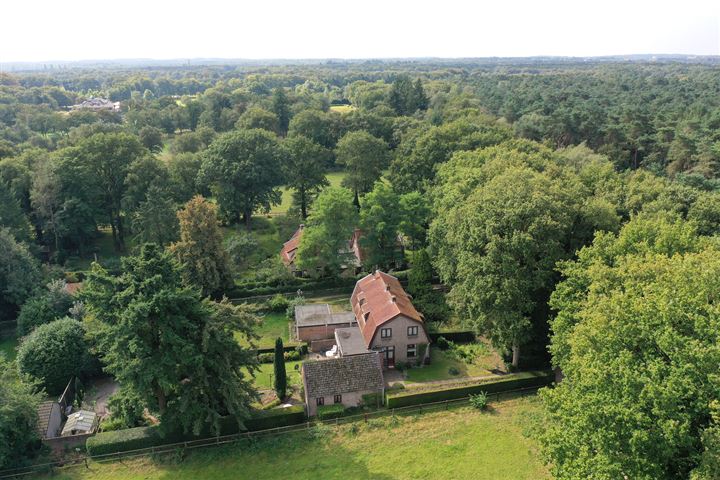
146 437
277 417
328 412
303 349
513 381
124 440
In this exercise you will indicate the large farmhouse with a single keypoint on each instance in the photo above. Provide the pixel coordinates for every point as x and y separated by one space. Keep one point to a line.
388 321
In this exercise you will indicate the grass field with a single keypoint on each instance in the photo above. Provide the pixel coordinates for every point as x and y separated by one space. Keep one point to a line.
335 178
272 326
342 108
7 347
442 362
263 378
458 444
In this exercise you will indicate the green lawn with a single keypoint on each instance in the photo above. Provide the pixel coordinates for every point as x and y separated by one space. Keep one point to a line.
263 378
441 363
272 326
460 443
335 178
7 347
342 108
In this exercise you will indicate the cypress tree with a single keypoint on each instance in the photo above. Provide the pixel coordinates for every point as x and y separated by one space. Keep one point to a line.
280 380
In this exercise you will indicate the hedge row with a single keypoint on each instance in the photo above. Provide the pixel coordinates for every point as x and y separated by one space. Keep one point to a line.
254 289
509 382
277 417
328 412
145 437
302 349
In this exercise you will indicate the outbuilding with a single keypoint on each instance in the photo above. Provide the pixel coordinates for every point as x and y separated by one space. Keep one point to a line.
342 380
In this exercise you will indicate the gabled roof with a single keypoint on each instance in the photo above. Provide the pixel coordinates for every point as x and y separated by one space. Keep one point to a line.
377 299
340 375
289 249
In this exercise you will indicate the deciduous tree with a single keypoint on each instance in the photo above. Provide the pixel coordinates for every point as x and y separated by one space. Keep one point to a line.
305 170
364 157
200 248
244 171
328 230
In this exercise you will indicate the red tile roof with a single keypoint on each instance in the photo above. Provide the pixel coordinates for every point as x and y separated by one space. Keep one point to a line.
289 249
377 299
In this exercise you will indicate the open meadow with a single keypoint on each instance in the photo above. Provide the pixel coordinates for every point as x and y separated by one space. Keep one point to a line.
462 443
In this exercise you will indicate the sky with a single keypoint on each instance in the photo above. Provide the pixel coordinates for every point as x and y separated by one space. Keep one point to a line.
54 30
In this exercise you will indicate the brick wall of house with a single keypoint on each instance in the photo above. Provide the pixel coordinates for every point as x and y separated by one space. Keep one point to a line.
400 339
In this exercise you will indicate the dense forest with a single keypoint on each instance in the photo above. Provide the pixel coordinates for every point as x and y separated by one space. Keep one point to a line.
570 209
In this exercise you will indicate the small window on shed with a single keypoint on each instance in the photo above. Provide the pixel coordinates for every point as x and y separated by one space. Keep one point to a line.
338 399
320 401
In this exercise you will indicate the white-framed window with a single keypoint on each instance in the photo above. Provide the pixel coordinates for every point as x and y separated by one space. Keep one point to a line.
411 350
338 399
320 401
413 331
385 332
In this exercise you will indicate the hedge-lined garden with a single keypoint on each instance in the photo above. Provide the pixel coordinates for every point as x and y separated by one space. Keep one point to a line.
515 381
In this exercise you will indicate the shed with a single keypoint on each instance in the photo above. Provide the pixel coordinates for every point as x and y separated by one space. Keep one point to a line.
49 419
82 421
317 322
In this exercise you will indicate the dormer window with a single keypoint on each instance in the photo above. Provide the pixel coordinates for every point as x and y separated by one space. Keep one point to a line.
366 315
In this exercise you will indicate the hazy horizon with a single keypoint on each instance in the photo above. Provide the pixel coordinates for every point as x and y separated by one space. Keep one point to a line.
83 30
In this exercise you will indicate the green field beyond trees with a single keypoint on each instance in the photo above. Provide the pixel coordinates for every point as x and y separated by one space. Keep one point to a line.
457 444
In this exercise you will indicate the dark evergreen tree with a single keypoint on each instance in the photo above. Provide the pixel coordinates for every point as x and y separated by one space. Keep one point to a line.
280 380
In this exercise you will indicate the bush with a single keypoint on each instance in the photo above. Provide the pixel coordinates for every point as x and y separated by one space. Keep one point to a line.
289 356
44 307
479 401
55 352
453 371
127 409
266 357
328 412
442 343
278 303
508 382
